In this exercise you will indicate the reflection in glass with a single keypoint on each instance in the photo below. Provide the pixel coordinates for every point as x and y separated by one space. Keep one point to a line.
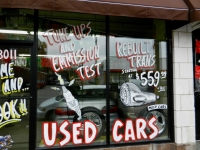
138 70
14 104
16 24
71 57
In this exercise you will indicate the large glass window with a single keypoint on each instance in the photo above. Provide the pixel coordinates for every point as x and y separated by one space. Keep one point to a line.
14 96
72 96
138 70
71 81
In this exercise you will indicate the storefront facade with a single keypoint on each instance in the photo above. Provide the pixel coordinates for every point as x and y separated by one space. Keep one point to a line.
97 74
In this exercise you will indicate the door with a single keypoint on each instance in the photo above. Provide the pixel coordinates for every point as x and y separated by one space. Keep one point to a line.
15 77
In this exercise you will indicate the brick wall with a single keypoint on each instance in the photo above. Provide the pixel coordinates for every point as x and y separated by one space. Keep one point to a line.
184 114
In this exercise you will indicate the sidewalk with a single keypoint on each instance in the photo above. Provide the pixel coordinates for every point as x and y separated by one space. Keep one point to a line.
198 145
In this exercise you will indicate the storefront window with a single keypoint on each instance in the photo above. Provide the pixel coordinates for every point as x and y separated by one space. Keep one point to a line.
71 88
71 80
16 24
14 96
138 70
75 104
